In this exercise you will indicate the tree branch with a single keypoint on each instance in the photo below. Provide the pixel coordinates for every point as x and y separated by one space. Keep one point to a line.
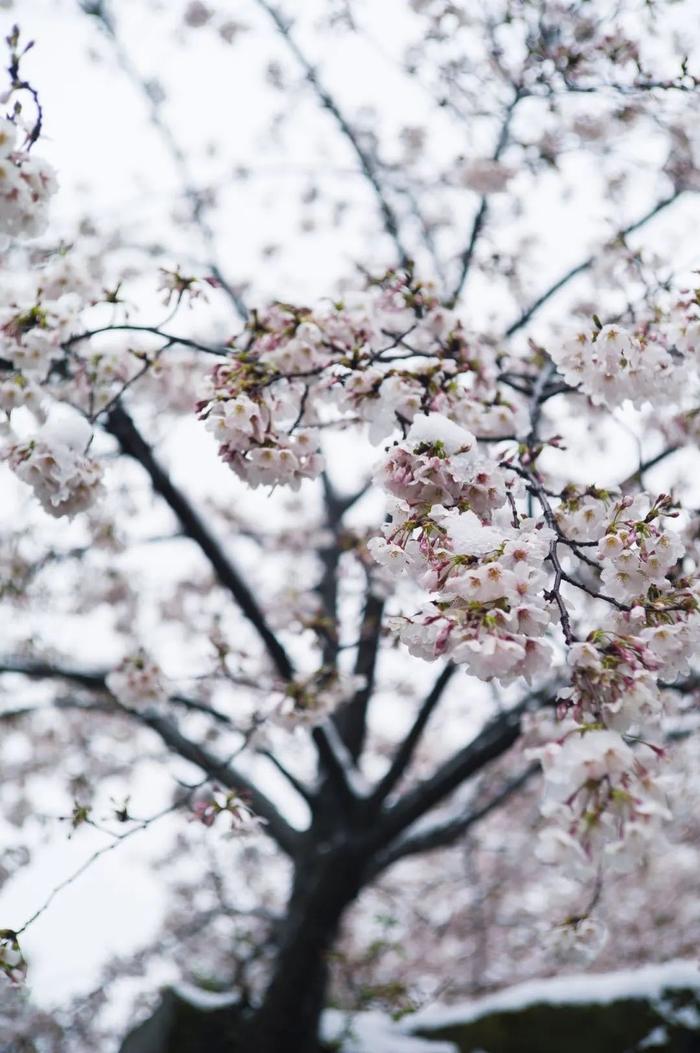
286 836
184 341
482 211
328 585
367 166
584 265
493 741
404 754
120 424
445 833
637 477
281 831
301 788
351 719
95 681
333 762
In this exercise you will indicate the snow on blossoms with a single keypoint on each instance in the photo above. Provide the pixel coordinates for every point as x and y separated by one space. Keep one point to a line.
451 531
55 463
380 356
585 592
455 532
26 184
488 569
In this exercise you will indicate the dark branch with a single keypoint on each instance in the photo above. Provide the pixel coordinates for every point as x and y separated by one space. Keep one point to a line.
442 834
351 719
182 340
278 828
276 825
328 585
405 752
64 702
637 478
96 681
330 751
301 788
120 424
492 742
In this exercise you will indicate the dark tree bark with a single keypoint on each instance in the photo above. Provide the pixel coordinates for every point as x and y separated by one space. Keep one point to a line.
288 1018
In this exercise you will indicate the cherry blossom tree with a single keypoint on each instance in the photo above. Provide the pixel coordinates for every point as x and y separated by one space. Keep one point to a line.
362 573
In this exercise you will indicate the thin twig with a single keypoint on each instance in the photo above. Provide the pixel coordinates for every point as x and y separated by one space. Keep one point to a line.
366 162
143 825
482 211
584 265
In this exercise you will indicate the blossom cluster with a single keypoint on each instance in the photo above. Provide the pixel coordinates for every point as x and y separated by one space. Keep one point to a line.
55 463
611 365
39 329
250 431
604 782
455 531
137 681
32 335
653 361
457 465
451 532
604 800
52 374
211 801
381 356
26 184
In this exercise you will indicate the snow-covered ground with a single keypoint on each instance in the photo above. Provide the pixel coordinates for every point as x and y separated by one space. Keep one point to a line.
376 1033
648 982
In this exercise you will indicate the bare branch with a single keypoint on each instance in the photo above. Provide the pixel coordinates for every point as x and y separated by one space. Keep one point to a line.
443 834
139 828
404 754
120 424
99 9
584 265
482 211
366 162
351 719
492 742
182 340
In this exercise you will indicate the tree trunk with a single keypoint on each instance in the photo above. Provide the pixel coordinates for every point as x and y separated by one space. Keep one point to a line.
289 1015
